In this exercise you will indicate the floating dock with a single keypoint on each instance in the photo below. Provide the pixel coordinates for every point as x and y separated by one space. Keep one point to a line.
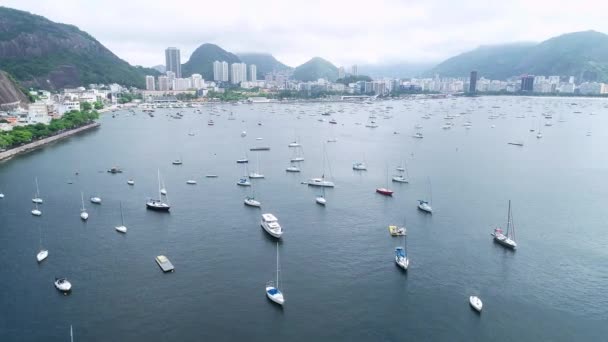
164 263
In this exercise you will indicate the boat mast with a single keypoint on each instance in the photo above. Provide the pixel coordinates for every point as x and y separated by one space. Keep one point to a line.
82 199
122 219
277 265
71 334
37 191
509 218
159 194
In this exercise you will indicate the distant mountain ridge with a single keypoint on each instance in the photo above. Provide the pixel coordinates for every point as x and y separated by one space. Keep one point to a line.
580 54
45 54
201 60
264 62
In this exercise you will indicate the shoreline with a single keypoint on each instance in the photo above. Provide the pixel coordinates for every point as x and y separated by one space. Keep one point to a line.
8 154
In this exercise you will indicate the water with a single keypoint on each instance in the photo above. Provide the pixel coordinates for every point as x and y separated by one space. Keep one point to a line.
338 272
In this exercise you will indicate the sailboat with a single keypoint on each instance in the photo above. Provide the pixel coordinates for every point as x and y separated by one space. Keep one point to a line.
401 258
508 239
36 211
83 212
251 201
177 161
402 176
321 198
122 228
426 205
292 168
256 174
37 198
42 253
320 181
297 154
385 191
272 289
158 204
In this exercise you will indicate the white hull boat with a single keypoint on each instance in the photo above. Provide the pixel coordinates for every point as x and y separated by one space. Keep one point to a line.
43 254
321 200
63 285
424 206
271 225
243 182
250 201
320 182
96 200
476 303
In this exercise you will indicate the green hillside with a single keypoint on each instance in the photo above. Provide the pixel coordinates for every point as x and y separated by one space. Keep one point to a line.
42 53
201 60
314 69
264 62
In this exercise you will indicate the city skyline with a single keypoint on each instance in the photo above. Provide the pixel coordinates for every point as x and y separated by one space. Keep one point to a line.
408 32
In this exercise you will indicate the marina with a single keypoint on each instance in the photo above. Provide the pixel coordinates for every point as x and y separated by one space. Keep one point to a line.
339 253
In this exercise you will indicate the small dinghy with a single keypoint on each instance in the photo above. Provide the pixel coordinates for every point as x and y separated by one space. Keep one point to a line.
476 303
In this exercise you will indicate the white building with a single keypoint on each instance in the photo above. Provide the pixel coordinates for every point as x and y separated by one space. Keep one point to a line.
182 84
354 70
197 81
239 73
68 106
150 84
341 72
163 83
217 71
253 73
38 112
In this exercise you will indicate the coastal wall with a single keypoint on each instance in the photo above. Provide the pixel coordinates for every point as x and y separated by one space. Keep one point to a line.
38 143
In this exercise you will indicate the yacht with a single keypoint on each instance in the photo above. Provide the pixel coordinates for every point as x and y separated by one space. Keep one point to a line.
43 254
272 289
475 303
243 182
252 202
506 239
158 204
63 285
359 166
271 225
320 182
424 206
401 258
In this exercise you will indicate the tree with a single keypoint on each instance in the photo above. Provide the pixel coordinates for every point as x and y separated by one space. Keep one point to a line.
85 106
98 105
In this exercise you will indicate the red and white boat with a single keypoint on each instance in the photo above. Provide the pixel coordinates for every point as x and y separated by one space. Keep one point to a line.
384 191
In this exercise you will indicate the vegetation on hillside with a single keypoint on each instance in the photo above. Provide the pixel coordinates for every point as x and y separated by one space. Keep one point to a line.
264 62
314 69
24 134
201 60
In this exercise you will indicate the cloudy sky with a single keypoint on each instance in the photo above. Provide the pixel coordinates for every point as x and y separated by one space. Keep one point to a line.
342 31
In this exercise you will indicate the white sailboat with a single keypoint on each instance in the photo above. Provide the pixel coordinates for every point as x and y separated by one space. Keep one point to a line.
426 205
401 258
95 200
37 199
321 181
83 212
122 228
256 174
36 211
42 253
272 288
321 198
251 201
298 154
508 239
292 168
401 176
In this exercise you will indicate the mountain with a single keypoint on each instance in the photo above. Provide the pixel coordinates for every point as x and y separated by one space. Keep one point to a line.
394 70
9 91
201 60
314 69
160 68
264 62
45 54
580 54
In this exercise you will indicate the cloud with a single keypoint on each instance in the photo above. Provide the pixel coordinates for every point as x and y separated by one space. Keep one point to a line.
342 31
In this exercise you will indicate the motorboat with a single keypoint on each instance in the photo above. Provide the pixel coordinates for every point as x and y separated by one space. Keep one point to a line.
131 182
359 166
63 285
401 258
384 191
424 206
320 182
1 195
243 182
476 303
252 202
177 162
95 200
191 182
43 254
397 231
271 225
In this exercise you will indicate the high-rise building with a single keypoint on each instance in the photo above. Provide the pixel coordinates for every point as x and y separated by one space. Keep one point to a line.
473 82
224 77
173 61
217 71
196 81
239 73
253 73
182 84
353 70
527 83
341 72
163 83
150 85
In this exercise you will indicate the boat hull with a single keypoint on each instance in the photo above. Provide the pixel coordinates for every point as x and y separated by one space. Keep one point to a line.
156 207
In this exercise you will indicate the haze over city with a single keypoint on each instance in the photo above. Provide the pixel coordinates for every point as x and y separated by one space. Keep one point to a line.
344 32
